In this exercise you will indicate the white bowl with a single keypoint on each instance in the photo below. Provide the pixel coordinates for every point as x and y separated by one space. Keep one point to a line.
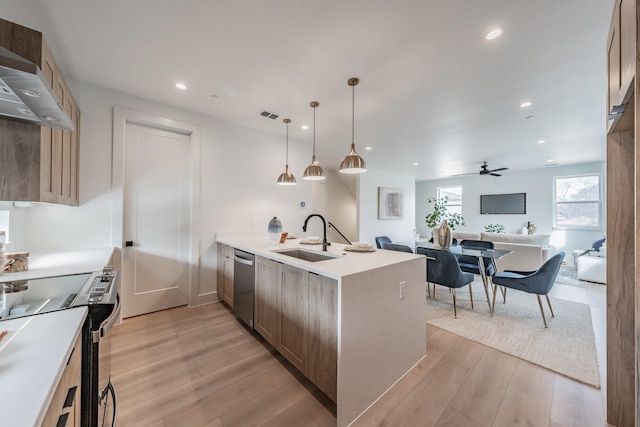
363 245
313 238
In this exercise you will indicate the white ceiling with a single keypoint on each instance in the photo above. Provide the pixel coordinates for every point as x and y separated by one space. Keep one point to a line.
432 89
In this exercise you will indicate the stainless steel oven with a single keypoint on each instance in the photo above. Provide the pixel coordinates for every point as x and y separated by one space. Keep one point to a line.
100 295
98 291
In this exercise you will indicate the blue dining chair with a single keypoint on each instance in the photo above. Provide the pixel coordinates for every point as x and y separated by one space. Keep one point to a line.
469 264
380 240
537 282
397 247
443 269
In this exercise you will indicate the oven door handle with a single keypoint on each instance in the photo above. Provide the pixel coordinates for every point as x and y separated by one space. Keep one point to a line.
106 326
114 399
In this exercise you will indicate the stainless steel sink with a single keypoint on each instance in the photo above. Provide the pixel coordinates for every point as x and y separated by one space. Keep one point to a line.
306 255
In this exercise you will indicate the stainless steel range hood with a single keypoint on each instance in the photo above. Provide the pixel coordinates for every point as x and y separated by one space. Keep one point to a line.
26 96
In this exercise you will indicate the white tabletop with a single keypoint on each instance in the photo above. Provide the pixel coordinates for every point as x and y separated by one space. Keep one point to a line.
33 356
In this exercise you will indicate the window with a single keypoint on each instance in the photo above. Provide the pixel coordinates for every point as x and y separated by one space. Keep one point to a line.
577 202
454 205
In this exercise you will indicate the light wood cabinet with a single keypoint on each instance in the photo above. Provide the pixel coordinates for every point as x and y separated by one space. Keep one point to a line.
225 274
621 58
64 409
323 334
293 339
623 219
296 312
39 164
266 300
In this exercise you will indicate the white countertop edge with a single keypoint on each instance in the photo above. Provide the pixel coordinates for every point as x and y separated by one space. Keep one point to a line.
345 264
48 264
33 357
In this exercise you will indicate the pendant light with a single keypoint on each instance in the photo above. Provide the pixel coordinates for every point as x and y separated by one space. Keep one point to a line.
287 177
314 171
353 163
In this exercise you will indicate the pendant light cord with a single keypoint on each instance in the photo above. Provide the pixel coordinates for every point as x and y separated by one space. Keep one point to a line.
353 113
314 131
287 164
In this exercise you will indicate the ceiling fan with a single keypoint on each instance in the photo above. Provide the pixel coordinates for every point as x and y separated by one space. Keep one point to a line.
484 170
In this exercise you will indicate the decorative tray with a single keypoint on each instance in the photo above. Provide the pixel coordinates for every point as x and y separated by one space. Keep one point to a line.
357 249
311 242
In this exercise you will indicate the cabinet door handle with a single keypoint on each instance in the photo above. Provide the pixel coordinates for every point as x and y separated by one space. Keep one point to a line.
62 420
71 395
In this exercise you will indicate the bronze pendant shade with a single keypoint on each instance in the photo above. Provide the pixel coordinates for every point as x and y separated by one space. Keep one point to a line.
287 178
314 171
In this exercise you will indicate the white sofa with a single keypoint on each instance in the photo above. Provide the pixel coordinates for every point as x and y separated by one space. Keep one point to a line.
591 266
528 252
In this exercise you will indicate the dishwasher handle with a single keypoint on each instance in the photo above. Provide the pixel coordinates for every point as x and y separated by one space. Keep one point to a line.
244 261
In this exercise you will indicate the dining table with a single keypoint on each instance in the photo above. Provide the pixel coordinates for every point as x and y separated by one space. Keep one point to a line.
480 253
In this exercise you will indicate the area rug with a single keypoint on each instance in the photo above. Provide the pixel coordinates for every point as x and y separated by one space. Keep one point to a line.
568 276
567 346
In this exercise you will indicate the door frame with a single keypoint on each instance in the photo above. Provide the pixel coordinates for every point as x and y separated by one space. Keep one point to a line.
121 117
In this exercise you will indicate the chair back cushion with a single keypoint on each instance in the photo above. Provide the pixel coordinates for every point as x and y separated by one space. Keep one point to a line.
443 268
396 247
380 240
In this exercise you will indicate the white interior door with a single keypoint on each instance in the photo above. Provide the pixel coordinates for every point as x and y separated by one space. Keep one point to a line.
157 199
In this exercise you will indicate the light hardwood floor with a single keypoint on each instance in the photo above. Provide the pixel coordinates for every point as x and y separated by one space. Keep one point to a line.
201 367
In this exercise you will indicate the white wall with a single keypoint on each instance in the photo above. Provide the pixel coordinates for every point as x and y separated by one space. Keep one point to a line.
537 183
369 225
334 200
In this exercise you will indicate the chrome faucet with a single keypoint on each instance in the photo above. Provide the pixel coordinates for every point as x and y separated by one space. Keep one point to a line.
324 225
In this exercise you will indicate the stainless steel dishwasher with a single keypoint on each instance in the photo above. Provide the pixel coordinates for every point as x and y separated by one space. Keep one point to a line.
243 286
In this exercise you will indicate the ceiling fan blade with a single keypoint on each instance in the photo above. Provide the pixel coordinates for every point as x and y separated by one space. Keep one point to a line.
499 169
495 174
465 174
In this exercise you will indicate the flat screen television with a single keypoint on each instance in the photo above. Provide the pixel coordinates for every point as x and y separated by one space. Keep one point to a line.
515 203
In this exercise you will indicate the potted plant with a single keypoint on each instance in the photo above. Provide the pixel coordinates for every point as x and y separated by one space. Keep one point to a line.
494 228
447 221
440 213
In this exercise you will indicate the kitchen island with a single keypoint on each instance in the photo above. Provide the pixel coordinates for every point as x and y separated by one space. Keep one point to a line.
354 324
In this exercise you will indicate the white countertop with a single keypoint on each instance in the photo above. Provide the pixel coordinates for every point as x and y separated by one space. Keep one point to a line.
49 264
33 356
346 263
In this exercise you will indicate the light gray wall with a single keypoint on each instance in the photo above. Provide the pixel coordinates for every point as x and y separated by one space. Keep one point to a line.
369 225
537 183
333 199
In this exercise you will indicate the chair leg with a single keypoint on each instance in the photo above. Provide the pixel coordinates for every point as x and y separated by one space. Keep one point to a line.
471 295
544 319
504 294
428 290
550 308
455 312
495 290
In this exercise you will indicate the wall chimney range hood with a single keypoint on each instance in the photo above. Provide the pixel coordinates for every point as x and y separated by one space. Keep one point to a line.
26 96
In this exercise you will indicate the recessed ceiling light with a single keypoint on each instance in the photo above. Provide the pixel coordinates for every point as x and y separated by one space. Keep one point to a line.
549 160
493 34
526 104
367 148
415 164
542 141
305 127
181 86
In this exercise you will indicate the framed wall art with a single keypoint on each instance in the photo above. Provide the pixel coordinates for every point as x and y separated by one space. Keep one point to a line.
390 203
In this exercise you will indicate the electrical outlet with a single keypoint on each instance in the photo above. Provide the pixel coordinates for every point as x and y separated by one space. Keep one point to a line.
402 290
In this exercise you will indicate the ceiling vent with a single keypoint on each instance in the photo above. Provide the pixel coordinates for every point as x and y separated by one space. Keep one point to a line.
269 115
